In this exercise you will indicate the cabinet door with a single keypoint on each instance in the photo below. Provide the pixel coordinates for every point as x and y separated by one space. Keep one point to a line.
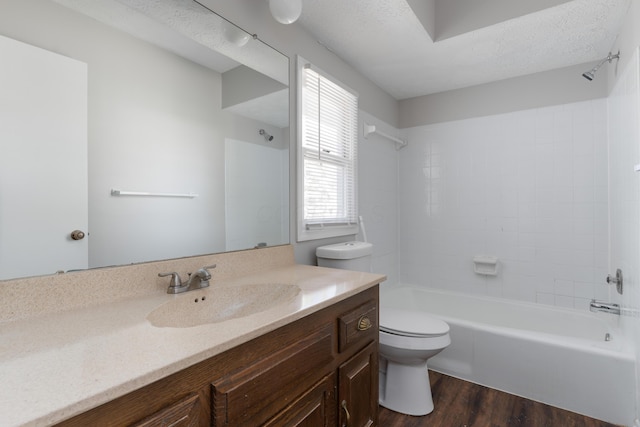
185 413
315 408
358 389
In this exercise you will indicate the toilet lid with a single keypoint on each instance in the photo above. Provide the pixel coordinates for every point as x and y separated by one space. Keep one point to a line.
411 323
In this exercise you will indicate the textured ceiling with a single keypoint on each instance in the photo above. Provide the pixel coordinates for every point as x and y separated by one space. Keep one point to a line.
386 42
189 30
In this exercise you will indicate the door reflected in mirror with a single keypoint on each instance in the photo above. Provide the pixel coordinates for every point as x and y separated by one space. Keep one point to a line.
166 100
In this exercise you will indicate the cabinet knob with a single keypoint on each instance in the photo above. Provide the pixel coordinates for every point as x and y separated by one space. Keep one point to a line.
346 413
364 323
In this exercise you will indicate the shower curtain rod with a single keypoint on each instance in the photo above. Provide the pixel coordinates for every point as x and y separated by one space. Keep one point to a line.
369 129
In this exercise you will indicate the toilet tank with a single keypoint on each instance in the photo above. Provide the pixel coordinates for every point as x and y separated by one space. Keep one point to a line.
354 256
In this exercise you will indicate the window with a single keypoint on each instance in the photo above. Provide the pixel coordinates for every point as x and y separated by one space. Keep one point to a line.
327 156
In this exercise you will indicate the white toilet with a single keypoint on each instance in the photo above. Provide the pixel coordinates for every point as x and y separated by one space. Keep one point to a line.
408 338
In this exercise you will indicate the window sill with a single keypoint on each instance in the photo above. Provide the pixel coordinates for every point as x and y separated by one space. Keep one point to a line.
324 233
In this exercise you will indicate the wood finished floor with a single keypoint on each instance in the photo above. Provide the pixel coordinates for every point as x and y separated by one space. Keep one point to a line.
460 403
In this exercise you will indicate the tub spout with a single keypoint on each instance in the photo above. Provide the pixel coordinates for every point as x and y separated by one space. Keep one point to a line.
605 307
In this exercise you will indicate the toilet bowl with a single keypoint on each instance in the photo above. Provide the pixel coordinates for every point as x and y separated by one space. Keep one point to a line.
407 340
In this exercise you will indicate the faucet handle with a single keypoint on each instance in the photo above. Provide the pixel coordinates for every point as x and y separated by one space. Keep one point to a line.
207 270
175 279
204 273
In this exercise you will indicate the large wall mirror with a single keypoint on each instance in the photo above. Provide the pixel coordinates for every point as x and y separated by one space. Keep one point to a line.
155 129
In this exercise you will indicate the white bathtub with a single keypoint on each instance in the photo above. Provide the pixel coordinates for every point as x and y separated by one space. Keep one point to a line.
551 355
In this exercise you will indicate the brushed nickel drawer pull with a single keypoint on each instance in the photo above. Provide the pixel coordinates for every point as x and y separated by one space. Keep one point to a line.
364 323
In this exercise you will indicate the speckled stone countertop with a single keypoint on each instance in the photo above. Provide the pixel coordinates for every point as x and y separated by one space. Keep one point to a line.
56 363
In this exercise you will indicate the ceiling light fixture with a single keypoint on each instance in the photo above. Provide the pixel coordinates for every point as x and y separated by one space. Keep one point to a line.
285 11
235 35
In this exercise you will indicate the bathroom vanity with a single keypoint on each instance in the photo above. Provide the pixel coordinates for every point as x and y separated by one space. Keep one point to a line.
247 350
314 371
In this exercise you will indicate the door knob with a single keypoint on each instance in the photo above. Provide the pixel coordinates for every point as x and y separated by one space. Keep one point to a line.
77 234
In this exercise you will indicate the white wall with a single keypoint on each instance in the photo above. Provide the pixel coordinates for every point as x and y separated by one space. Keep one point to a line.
554 87
378 195
529 187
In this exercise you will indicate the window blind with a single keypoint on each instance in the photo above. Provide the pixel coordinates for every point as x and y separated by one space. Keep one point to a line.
329 151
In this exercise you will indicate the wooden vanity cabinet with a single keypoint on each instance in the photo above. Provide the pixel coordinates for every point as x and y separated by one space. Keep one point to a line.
185 413
319 371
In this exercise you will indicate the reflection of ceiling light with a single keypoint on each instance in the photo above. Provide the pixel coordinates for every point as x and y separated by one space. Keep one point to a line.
235 35
285 11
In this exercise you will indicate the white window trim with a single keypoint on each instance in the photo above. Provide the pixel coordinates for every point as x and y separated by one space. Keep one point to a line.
305 233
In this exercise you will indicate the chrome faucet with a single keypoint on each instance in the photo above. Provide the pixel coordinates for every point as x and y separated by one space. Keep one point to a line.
604 307
198 280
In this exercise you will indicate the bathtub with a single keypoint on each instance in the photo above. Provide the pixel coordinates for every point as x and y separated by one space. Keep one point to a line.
551 355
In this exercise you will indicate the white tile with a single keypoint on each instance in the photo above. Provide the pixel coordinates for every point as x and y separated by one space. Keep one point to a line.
544 121
544 284
527 239
581 303
583 211
581 273
563 301
601 193
529 186
563 194
563 287
583 241
601 261
583 171
601 292
584 194
583 225
584 290
545 298
563 124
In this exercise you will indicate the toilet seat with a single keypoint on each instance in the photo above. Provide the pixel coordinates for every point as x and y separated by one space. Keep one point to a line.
411 323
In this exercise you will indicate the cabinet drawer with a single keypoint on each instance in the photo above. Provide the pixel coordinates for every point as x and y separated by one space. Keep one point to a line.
256 393
316 407
358 325
185 413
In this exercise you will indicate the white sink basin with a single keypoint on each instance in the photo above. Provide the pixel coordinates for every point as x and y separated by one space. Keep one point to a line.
220 304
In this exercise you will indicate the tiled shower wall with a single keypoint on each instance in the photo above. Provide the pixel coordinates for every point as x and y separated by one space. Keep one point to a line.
528 187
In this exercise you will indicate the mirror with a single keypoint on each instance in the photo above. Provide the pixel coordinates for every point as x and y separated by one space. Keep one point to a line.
137 123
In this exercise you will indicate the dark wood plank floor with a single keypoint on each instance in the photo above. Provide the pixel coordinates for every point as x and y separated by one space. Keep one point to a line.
460 403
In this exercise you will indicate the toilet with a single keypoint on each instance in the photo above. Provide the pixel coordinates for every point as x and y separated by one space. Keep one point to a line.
408 338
